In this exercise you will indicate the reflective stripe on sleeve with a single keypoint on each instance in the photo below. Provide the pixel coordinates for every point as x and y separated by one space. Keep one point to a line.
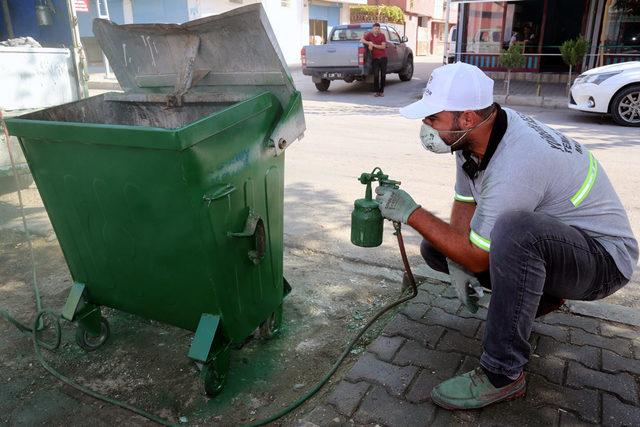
479 241
461 198
587 185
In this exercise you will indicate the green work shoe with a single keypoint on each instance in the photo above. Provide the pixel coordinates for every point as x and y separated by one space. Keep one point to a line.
473 390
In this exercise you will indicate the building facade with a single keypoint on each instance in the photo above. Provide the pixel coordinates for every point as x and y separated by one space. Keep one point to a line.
612 28
424 23
294 22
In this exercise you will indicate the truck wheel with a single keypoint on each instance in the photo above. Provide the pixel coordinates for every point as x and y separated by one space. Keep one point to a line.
407 71
625 106
323 85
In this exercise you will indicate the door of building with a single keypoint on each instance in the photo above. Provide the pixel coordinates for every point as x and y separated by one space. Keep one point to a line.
564 21
317 31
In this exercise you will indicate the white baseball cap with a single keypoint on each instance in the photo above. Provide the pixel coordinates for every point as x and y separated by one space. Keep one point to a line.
452 87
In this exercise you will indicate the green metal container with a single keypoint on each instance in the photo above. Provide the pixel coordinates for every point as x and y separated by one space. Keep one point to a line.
167 199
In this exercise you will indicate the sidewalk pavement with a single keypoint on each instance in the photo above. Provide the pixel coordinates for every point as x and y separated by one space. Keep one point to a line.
583 371
524 93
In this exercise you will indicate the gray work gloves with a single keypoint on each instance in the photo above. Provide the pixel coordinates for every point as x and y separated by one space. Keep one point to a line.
466 285
395 204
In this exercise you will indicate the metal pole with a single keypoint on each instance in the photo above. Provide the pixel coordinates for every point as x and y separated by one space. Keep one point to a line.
7 18
105 15
461 20
447 14
77 53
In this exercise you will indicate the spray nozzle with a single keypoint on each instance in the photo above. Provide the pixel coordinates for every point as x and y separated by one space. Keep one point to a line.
376 175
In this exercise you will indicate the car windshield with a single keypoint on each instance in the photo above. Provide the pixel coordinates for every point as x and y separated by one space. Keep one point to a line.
348 34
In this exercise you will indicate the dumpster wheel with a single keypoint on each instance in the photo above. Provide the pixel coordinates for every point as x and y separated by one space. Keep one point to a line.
271 326
214 372
90 342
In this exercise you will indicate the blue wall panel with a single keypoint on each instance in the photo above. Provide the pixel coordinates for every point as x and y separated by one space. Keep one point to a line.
23 19
85 19
331 14
166 11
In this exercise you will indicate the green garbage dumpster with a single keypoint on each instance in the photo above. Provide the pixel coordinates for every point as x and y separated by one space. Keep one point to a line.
167 199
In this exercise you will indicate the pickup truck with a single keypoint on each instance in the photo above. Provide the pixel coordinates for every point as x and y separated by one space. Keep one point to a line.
344 57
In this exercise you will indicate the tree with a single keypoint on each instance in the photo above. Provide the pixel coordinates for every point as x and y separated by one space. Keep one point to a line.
512 59
573 51
366 13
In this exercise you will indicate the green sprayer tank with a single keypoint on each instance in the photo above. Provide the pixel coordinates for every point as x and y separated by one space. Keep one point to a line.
167 199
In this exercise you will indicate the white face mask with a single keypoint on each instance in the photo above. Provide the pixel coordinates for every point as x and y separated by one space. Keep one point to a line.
432 141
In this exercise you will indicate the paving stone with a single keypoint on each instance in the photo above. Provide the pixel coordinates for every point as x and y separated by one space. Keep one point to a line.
613 330
587 323
636 348
550 367
589 356
567 419
585 402
379 407
466 326
441 363
446 418
624 385
456 342
435 289
616 413
395 378
614 363
619 345
450 292
560 333
518 412
424 334
420 390
385 347
323 415
423 297
481 314
468 364
347 396
449 305
480 333
415 311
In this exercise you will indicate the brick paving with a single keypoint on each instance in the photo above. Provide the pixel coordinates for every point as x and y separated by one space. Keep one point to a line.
582 371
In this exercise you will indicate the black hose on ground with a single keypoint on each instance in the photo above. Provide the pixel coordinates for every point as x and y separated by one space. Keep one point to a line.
309 394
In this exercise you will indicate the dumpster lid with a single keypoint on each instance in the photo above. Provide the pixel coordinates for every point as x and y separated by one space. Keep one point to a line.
227 57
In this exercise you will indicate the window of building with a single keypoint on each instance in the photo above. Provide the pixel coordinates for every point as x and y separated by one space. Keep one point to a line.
620 28
285 3
494 26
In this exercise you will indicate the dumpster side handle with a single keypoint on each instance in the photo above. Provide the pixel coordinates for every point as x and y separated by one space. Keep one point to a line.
218 192
254 227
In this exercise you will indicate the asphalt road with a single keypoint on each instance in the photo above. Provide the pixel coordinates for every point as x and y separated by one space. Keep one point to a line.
349 132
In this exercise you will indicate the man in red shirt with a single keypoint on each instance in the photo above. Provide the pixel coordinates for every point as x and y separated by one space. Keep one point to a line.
378 46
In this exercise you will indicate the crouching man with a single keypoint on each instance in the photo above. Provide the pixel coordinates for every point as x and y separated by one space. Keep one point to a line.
534 217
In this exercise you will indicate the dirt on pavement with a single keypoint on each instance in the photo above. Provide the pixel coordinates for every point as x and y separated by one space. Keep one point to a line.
145 363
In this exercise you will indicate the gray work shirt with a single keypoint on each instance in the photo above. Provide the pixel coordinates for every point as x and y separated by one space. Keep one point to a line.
538 169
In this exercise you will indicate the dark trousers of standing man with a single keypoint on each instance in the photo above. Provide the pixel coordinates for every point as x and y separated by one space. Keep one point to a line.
379 74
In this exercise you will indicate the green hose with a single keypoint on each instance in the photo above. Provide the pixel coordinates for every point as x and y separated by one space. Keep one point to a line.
309 394
40 314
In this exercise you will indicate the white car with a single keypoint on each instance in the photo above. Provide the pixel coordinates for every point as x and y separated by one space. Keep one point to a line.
613 89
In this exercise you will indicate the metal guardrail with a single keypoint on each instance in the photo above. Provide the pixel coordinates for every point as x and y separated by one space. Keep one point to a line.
490 61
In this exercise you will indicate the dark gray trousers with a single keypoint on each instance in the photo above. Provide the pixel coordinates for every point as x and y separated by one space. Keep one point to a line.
535 259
